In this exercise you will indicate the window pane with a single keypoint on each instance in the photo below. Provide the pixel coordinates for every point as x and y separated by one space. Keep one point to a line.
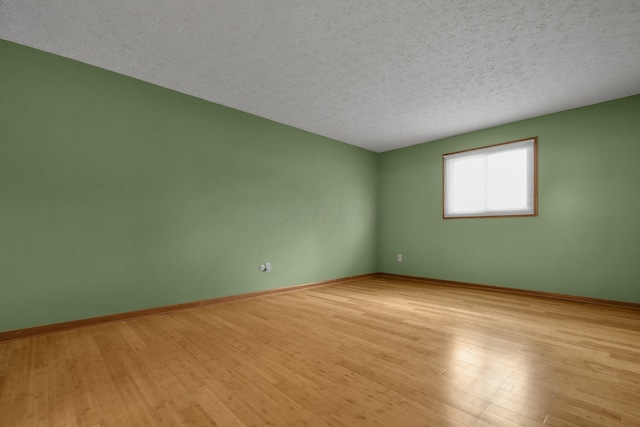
507 180
467 184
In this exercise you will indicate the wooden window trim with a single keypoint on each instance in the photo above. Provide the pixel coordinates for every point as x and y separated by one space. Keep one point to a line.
535 180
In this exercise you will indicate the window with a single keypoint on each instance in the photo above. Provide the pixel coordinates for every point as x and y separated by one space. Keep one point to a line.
499 180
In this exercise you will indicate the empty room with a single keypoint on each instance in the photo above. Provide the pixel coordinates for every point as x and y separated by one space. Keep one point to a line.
336 213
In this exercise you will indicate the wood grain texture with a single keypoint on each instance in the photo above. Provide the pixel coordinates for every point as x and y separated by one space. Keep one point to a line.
370 352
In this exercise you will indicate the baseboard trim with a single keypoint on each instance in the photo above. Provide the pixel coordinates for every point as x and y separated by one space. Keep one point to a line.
551 295
93 321
83 323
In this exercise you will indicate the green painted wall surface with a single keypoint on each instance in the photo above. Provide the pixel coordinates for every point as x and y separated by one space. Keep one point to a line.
117 195
586 239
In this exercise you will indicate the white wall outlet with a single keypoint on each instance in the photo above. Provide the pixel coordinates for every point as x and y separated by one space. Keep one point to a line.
267 267
262 267
399 257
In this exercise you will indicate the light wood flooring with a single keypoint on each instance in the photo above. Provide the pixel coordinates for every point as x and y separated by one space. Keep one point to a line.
370 352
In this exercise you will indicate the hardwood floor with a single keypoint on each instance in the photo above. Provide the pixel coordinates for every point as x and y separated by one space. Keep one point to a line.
364 353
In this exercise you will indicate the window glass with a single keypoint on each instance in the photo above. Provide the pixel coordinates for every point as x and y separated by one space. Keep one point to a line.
499 180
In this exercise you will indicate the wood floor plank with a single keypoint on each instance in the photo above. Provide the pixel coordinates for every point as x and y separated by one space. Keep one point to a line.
370 352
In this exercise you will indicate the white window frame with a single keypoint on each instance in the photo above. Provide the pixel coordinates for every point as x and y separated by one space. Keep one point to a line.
450 208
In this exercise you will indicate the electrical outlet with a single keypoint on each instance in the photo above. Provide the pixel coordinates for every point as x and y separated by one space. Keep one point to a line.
265 268
399 257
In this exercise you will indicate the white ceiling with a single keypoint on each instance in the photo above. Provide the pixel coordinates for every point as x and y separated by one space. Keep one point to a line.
376 74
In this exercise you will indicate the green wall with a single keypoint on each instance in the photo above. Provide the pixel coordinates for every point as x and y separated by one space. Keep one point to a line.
117 195
586 239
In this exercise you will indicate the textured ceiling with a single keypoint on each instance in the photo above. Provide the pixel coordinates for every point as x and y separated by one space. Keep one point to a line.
379 75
